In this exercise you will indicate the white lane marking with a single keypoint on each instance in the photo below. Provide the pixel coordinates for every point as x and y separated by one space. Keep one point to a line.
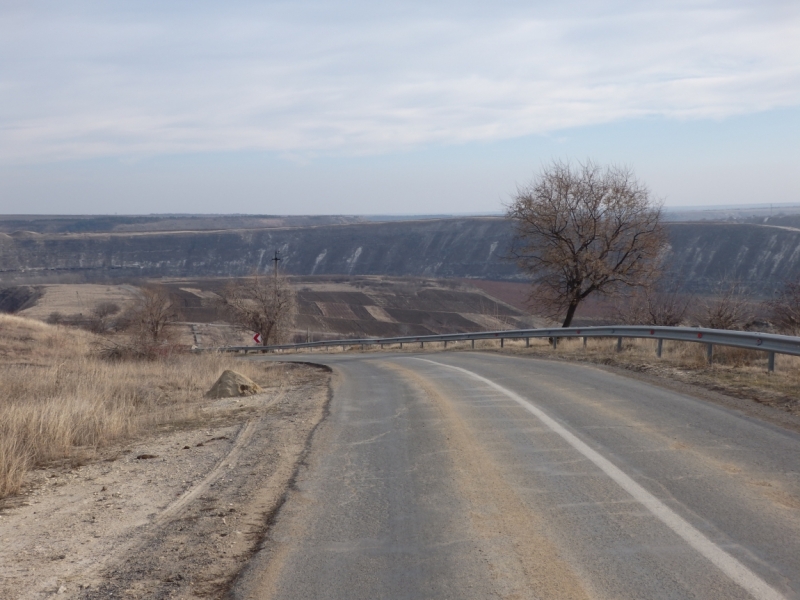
723 561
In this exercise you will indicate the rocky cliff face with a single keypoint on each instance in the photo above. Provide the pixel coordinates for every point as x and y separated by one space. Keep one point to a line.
447 248
700 254
760 256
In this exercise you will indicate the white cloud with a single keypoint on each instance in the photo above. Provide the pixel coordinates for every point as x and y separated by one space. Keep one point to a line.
337 78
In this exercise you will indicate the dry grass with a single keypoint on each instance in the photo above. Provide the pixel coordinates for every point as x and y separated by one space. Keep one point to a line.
78 299
734 371
59 400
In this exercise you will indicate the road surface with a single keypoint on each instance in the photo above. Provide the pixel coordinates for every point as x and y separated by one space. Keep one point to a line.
470 475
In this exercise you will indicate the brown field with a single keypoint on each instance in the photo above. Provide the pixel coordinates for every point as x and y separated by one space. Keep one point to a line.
77 299
592 311
513 293
328 307
384 307
374 306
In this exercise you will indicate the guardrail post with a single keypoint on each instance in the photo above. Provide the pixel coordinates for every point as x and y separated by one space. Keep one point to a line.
445 343
422 344
771 362
473 344
527 342
619 344
584 341
401 345
710 353
555 342
502 342
659 346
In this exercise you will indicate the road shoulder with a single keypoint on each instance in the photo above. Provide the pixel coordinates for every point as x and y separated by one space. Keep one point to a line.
173 514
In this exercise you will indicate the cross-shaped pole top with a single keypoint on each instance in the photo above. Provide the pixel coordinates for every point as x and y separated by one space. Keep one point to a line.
276 260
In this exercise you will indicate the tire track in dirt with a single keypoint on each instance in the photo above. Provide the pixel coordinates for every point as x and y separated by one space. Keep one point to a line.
227 462
173 510
196 545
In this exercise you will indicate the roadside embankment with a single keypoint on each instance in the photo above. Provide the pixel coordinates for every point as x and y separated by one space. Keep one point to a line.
123 479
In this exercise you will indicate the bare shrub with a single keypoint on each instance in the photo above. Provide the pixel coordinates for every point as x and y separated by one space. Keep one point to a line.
100 318
661 305
106 309
728 308
784 308
55 318
126 347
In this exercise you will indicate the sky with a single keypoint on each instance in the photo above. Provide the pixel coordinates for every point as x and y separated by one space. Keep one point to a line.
295 107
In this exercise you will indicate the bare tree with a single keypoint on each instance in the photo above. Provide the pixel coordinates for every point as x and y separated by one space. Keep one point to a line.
584 230
784 308
152 312
660 304
265 304
727 308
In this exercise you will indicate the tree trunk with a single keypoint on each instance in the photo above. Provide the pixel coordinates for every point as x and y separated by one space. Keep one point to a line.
265 336
573 306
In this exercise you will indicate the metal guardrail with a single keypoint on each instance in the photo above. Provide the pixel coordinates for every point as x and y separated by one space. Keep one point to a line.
770 343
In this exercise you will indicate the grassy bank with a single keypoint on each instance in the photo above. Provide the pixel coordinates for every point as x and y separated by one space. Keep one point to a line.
60 400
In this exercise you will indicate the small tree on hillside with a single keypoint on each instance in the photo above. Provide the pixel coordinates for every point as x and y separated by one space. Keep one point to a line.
265 304
152 312
584 230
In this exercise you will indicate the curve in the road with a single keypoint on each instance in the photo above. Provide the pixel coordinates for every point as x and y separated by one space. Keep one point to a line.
726 563
471 475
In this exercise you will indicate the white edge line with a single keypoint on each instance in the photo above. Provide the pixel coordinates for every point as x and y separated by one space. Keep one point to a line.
726 563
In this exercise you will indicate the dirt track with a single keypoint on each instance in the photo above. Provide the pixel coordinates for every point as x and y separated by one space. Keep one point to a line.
174 515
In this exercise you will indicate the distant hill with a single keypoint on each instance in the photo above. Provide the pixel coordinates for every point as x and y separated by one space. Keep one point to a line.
750 213
142 223
761 255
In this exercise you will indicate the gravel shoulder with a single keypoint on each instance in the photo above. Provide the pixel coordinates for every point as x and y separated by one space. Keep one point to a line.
175 514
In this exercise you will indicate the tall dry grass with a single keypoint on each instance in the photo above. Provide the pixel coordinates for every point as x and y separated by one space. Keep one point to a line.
60 400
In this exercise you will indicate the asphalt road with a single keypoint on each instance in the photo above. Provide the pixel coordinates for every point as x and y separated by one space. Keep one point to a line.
469 475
